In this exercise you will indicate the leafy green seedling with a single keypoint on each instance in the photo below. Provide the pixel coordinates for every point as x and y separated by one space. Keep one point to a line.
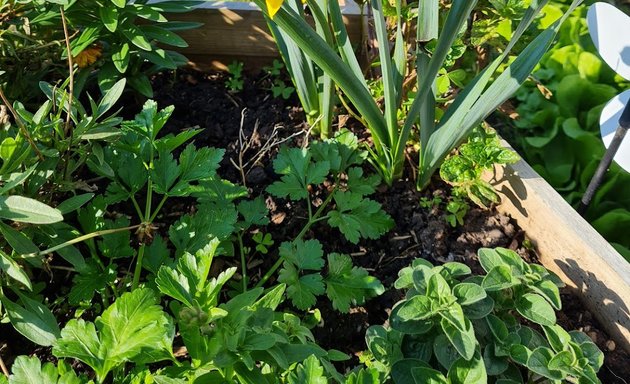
235 82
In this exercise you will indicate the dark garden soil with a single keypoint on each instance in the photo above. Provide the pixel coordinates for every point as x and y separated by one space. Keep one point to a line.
202 100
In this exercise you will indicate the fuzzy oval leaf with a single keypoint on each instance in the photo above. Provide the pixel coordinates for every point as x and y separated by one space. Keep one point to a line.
535 308
468 371
468 293
27 210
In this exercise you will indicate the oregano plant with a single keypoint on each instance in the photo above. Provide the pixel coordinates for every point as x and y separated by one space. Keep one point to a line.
453 327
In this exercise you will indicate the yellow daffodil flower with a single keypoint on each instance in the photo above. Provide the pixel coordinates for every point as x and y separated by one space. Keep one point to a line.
88 56
273 6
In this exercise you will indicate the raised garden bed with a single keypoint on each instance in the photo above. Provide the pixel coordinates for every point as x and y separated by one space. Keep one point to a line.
566 243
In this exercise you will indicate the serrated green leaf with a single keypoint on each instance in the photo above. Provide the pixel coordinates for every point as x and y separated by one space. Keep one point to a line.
134 327
305 255
29 370
193 232
302 290
357 183
85 285
346 284
254 212
310 371
164 173
357 217
298 173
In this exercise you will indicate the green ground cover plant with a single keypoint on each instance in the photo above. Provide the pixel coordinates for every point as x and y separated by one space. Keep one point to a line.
560 108
152 298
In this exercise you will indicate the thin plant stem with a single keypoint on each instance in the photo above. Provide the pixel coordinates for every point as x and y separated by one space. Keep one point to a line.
159 207
21 125
138 269
137 206
71 70
315 218
243 262
83 238
67 130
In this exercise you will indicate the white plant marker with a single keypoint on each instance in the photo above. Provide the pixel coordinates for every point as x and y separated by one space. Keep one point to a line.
610 31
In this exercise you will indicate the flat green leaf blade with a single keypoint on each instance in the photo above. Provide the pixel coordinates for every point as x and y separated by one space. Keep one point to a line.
80 341
110 98
13 269
29 370
134 325
27 210
17 240
535 308
33 320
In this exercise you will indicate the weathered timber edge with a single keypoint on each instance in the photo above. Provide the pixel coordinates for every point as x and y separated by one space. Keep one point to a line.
238 31
569 246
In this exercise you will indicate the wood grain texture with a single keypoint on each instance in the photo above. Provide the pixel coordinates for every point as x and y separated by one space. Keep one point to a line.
569 246
230 34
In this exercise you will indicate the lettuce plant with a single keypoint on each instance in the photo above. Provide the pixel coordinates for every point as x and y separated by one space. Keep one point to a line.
454 327
478 99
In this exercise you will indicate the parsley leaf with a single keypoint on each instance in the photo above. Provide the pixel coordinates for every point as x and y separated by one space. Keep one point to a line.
305 255
346 284
357 217
298 173
301 289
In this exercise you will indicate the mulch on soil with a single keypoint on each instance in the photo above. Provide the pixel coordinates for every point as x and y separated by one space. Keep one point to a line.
253 116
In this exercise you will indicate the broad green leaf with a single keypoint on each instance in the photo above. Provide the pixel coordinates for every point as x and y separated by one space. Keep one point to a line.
412 316
164 173
29 370
539 362
133 328
499 278
110 98
302 290
468 293
163 36
73 203
463 340
27 210
14 270
348 285
428 376
535 308
564 361
20 243
136 37
254 212
33 320
120 57
548 290
298 173
193 232
558 338
109 17
468 371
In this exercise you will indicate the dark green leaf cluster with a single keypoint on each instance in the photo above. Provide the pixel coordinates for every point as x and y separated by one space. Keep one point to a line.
344 284
336 160
464 170
456 328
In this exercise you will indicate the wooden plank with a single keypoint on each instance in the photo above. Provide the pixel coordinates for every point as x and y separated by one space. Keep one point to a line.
569 246
237 30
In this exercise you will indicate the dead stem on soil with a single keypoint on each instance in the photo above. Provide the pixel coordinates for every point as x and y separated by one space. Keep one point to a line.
3 367
245 144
